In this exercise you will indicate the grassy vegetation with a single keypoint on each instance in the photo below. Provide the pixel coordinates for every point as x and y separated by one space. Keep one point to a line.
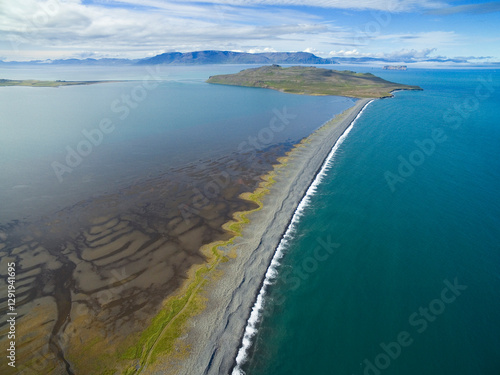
160 339
35 83
313 81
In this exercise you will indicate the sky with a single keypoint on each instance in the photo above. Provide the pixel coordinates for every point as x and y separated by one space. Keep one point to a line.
429 31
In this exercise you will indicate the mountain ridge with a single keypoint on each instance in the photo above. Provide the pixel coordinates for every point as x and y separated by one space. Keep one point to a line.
230 57
195 58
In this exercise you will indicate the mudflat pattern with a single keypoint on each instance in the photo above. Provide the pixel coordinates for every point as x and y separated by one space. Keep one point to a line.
99 270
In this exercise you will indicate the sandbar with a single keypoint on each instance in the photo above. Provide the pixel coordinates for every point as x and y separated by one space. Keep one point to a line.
214 336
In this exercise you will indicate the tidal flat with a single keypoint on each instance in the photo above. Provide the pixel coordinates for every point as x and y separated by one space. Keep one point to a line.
104 256
92 276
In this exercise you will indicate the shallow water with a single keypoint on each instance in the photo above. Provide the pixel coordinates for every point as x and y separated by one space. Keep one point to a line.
62 145
108 192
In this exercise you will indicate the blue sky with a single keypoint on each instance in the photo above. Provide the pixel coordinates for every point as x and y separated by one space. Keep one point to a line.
421 31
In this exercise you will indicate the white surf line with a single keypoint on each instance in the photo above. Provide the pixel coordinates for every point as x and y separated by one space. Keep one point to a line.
272 271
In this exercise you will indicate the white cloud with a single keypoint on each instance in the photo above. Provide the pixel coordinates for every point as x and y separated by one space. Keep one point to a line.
314 51
136 28
401 54
491 7
437 38
261 50
383 5
408 55
30 24
347 53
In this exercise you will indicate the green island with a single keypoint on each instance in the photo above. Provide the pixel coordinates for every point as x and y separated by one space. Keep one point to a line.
313 81
35 83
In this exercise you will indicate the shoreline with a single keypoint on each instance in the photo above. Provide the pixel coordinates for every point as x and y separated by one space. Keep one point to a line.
213 337
56 84
271 272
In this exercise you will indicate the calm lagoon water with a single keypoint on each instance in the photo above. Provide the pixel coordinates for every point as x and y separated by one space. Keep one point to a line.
418 258
157 119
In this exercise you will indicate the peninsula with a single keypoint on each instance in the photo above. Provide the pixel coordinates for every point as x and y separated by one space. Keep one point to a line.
313 81
207 264
35 83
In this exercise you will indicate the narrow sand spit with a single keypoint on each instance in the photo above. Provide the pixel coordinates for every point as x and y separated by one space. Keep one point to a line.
214 336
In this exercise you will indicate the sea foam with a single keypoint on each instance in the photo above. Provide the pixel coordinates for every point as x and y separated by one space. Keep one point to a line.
272 271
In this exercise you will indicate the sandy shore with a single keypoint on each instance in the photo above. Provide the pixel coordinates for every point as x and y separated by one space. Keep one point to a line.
214 336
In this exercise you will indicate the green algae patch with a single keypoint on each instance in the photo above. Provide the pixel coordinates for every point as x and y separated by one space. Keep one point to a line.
163 336
160 339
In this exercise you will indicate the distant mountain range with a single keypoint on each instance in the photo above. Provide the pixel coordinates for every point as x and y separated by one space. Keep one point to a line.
199 58
228 57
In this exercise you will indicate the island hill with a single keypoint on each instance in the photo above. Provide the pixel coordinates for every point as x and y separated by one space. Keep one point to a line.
313 81
35 83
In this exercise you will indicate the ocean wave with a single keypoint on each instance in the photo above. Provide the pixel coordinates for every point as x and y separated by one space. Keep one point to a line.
272 271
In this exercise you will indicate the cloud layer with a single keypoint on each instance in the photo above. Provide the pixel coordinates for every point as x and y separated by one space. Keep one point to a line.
483 8
36 29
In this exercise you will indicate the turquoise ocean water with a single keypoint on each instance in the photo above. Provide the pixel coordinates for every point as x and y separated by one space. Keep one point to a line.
394 264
